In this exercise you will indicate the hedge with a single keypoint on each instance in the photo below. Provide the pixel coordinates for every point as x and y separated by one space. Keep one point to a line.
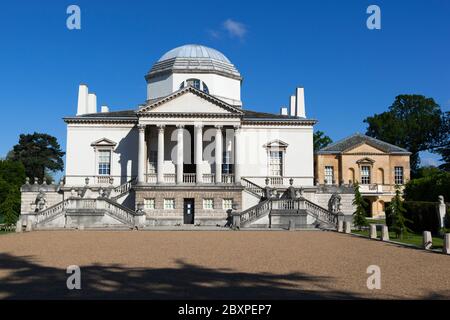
423 216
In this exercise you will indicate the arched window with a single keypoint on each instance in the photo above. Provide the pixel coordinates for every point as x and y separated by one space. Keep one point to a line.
196 83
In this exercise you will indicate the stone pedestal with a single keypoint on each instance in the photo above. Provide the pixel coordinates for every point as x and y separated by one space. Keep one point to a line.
373 231
291 225
347 227
19 226
340 227
427 240
385 234
446 247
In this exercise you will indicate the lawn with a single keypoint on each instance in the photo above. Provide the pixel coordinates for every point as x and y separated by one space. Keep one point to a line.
413 238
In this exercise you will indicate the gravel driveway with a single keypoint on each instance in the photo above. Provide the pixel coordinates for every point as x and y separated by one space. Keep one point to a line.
215 265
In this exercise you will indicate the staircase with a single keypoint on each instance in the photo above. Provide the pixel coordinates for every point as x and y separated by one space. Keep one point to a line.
253 188
88 208
122 190
290 209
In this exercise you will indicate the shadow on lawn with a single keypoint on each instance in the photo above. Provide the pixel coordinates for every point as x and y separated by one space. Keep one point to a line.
28 280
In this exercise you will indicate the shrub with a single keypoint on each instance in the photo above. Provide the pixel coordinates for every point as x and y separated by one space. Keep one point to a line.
422 215
428 188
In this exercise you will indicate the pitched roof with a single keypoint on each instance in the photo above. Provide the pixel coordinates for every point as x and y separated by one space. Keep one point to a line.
358 139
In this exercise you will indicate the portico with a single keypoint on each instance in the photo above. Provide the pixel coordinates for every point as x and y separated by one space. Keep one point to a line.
188 153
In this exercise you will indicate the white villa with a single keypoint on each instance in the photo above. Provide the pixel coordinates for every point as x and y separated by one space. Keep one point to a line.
188 155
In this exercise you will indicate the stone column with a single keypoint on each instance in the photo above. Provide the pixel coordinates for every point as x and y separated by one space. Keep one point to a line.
427 240
180 153
237 154
347 227
446 247
198 147
385 234
373 231
219 154
160 166
340 227
141 154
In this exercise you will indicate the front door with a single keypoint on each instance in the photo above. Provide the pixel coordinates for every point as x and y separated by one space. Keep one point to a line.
189 211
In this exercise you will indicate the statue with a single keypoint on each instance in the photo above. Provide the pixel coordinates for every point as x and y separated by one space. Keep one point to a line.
334 203
41 201
441 199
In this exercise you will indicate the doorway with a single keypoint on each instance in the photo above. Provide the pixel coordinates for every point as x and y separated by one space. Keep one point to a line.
189 211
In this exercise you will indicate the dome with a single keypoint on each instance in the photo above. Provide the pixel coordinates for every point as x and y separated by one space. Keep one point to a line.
193 59
195 51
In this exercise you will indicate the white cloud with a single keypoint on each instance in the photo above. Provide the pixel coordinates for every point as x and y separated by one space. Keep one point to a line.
235 29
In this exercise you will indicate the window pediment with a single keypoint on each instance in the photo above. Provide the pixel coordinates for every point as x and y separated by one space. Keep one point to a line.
276 144
104 142
365 161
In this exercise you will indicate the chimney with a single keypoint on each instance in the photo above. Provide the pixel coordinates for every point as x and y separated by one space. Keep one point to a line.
83 93
92 103
292 106
105 109
284 111
300 102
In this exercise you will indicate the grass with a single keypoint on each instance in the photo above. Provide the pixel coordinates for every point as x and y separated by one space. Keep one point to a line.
412 238
376 221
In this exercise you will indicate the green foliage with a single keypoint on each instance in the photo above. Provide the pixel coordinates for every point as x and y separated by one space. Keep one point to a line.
321 140
40 153
421 216
434 183
398 220
359 216
12 176
413 122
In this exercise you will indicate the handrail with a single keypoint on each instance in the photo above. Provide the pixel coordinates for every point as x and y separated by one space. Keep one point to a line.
320 212
253 187
120 211
51 212
254 212
123 189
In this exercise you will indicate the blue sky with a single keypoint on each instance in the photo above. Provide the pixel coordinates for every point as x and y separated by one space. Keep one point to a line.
349 72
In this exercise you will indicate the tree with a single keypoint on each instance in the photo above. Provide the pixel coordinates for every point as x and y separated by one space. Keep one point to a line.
397 211
413 122
359 216
321 140
432 183
12 176
40 153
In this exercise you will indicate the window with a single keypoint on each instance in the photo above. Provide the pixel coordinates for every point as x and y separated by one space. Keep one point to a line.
169 204
196 83
227 204
365 175
398 175
276 163
208 204
226 165
329 175
205 88
152 159
104 162
149 204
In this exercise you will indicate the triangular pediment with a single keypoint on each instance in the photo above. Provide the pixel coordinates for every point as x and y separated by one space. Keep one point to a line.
104 142
276 144
365 147
189 101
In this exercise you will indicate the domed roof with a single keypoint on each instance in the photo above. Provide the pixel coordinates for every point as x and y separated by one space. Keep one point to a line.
193 58
195 51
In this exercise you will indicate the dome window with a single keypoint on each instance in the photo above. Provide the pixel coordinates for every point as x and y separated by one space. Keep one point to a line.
196 83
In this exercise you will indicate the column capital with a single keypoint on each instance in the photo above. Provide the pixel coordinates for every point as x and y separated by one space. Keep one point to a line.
199 126
218 127
141 127
161 127
180 126
237 128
